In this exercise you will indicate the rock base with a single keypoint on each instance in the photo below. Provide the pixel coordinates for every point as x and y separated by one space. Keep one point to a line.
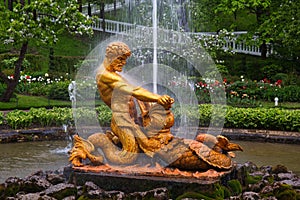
245 181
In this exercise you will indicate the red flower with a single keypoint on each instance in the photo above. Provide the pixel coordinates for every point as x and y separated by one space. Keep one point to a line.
278 82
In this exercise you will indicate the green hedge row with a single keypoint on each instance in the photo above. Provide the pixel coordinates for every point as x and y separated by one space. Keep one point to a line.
37 62
251 118
232 117
57 66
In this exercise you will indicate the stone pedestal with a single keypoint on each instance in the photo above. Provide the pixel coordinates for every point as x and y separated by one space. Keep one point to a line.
139 179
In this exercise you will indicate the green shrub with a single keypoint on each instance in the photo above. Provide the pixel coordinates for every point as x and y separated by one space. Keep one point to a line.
249 118
2 88
87 116
262 118
32 63
40 117
1 118
52 117
59 90
38 89
64 64
290 93
19 119
104 115
235 187
271 70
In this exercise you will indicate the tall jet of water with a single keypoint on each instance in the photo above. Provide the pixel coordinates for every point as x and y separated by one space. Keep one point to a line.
155 26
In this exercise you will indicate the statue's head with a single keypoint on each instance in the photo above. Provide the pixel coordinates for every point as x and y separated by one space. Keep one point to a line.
117 49
116 54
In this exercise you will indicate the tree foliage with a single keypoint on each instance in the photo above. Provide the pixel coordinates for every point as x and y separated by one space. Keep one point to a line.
257 7
37 21
282 29
276 22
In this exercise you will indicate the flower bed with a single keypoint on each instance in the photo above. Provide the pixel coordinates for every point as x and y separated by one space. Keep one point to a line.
247 93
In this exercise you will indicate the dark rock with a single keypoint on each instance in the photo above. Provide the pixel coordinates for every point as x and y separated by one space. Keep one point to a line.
79 190
269 198
239 173
250 167
285 176
257 187
267 177
94 194
294 183
238 197
35 184
61 190
11 187
92 190
38 173
279 169
159 194
90 186
13 181
257 173
267 189
251 196
70 198
266 169
118 195
55 178
33 196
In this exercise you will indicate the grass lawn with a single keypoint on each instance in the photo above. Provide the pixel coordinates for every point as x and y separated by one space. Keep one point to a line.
23 102
27 102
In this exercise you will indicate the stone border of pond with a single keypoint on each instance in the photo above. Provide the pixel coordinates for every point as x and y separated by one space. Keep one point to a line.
60 133
245 181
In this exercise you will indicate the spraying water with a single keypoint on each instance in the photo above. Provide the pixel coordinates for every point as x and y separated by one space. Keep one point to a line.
154 22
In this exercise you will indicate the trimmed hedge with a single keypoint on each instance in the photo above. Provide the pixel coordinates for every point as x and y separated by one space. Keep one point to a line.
37 62
248 118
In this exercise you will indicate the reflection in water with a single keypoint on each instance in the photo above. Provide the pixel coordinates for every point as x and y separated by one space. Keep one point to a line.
22 159
270 154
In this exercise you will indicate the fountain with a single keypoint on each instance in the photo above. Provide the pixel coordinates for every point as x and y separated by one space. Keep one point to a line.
142 145
142 139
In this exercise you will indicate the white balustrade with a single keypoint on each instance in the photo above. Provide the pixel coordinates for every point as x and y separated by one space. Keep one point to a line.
117 27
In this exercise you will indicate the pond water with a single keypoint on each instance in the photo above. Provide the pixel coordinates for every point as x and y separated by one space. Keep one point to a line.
22 159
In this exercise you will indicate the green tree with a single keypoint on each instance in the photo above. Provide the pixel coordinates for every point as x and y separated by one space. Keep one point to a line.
282 29
258 7
202 15
37 21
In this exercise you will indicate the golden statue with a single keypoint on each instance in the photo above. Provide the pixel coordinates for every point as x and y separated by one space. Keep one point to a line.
148 132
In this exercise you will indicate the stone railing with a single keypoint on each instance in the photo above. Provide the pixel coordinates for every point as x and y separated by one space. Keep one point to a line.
117 27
